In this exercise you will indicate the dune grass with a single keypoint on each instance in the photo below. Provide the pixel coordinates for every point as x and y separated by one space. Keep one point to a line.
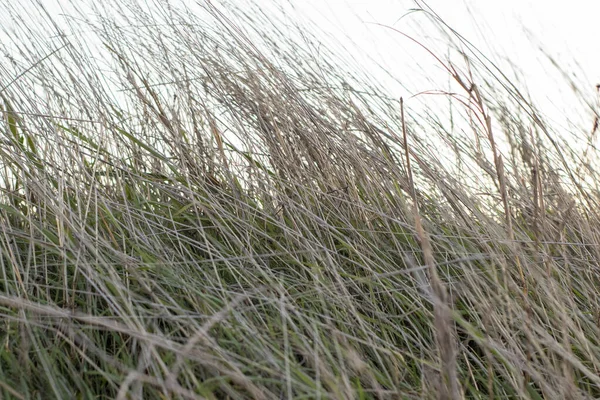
204 209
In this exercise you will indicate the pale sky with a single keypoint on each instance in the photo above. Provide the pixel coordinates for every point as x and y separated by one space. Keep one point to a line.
509 31
568 31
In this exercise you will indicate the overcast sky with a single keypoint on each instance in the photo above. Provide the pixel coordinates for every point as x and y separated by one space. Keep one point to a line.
568 31
510 31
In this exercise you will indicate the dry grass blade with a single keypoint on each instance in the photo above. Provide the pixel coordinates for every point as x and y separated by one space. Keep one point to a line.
448 387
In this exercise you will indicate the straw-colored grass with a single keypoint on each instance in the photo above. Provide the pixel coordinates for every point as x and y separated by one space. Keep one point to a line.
196 206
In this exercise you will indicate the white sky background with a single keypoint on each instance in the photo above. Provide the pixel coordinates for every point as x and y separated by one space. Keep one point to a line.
514 29
508 28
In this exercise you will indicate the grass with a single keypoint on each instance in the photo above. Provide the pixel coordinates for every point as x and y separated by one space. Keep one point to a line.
201 209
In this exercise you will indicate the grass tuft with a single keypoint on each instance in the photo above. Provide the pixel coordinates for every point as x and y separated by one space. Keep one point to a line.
194 205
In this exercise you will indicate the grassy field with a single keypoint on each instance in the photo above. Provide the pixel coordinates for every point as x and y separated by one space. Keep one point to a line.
204 209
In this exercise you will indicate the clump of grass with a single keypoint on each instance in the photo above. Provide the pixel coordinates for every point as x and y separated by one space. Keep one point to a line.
194 206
